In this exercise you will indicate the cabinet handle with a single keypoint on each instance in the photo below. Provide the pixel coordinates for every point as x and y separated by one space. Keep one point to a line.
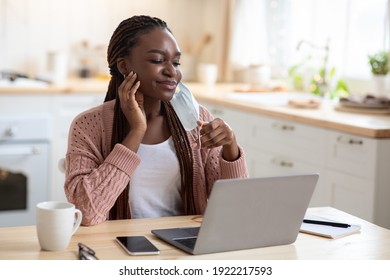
349 141
217 112
282 163
284 127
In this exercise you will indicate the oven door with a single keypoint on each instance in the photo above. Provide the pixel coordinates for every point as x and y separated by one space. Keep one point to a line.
23 181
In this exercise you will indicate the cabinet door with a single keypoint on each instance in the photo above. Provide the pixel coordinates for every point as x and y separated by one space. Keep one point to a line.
352 194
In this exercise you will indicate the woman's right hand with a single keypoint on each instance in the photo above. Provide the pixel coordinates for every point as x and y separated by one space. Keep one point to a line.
132 105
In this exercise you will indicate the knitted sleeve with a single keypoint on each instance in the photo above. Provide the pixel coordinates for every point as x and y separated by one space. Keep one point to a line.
93 183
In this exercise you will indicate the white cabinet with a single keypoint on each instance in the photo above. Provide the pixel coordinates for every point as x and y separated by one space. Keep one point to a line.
359 176
354 170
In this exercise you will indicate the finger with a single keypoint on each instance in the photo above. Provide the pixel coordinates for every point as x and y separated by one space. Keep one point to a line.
216 141
126 86
222 134
132 92
200 123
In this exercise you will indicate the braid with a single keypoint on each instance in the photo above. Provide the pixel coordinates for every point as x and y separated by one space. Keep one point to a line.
184 152
124 38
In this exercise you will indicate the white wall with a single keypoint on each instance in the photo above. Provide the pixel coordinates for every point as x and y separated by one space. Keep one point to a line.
29 29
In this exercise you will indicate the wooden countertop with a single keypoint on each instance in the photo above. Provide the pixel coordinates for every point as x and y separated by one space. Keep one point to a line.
71 86
366 125
325 116
372 242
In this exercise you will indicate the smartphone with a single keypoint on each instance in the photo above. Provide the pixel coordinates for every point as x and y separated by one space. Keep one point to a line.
137 245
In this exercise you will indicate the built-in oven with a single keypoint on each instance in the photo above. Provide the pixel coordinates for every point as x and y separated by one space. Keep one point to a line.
24 167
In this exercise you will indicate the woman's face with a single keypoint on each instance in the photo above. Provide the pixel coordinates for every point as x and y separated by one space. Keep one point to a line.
155 60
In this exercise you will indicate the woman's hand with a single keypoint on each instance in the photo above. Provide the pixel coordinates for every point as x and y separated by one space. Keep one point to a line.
132 105
218 133
132 102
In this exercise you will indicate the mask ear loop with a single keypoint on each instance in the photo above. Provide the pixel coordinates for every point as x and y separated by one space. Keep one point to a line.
199 140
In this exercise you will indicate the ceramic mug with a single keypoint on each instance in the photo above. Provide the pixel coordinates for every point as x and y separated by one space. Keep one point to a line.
56 223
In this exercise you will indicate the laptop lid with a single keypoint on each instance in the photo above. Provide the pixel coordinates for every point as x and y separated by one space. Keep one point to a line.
250 213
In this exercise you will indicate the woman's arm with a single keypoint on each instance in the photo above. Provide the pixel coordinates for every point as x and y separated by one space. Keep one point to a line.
93 183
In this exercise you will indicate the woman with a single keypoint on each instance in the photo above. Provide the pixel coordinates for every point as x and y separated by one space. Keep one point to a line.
131 157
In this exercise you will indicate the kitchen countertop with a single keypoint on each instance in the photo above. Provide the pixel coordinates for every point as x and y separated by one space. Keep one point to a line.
268 104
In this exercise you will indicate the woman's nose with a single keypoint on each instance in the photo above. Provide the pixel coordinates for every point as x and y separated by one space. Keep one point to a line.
169 69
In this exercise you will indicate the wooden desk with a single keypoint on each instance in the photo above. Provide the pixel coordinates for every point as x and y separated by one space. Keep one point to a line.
373 242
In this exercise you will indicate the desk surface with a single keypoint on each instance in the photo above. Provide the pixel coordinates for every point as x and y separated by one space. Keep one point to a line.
373 242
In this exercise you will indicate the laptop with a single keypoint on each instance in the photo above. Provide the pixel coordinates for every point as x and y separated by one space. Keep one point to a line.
247 213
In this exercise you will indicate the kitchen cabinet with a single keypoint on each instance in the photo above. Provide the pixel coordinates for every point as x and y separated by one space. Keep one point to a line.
354 174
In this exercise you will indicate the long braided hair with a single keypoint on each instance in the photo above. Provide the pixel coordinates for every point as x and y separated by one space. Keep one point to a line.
124 38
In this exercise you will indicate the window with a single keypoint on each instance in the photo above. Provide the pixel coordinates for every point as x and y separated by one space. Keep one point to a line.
271 32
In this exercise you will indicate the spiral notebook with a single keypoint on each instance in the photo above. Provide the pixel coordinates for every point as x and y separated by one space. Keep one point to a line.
328 231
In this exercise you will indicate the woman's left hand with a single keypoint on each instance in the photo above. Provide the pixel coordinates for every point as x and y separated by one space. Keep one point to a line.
218 133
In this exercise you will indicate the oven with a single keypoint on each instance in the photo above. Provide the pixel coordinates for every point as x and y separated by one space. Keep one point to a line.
24 167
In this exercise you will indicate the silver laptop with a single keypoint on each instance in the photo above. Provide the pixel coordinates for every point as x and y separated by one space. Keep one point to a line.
247 213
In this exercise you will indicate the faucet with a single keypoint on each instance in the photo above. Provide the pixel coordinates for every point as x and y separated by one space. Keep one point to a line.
320 79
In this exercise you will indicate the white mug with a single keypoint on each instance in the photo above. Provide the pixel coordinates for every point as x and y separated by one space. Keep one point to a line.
56 223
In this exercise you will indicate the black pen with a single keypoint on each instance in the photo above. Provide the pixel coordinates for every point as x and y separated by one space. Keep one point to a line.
332 224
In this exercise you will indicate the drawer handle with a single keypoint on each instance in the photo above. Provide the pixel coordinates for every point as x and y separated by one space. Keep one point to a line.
217 112
284 127
349 141
282 163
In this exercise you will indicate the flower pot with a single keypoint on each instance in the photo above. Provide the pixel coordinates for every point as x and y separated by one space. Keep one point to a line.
381 85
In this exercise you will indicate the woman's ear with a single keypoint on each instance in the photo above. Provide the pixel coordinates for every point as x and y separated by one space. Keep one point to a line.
122 67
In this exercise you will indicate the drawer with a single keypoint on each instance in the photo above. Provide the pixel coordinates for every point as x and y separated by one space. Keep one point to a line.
265 164
355 155
289 138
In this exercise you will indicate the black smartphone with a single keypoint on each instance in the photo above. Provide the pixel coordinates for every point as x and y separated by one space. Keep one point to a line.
137 245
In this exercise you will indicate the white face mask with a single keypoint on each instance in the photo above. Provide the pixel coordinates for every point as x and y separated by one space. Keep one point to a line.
186 107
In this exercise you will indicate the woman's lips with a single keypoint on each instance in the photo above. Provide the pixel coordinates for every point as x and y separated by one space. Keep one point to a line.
171 85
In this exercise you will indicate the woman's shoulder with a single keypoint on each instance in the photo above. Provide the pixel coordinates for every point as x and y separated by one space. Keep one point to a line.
104 108
98 112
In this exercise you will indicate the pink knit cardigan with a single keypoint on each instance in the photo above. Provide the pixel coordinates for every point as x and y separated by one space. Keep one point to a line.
96 176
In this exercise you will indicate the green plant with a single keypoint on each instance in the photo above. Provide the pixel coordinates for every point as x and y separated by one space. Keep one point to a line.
320 82
379 63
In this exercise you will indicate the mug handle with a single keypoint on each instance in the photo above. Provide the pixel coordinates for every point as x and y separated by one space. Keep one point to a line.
77 222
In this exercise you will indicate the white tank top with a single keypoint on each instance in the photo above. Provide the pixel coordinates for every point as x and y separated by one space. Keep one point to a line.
155 184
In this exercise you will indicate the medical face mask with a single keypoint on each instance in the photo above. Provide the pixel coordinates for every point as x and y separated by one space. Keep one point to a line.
186 107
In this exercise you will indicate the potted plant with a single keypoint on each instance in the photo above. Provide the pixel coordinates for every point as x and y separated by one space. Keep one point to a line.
379 63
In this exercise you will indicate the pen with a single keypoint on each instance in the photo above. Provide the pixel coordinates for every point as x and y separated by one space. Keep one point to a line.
332 224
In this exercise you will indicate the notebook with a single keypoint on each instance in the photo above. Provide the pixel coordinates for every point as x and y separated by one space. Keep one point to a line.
247 213
328 231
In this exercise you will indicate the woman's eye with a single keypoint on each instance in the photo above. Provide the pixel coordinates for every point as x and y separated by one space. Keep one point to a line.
160 61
